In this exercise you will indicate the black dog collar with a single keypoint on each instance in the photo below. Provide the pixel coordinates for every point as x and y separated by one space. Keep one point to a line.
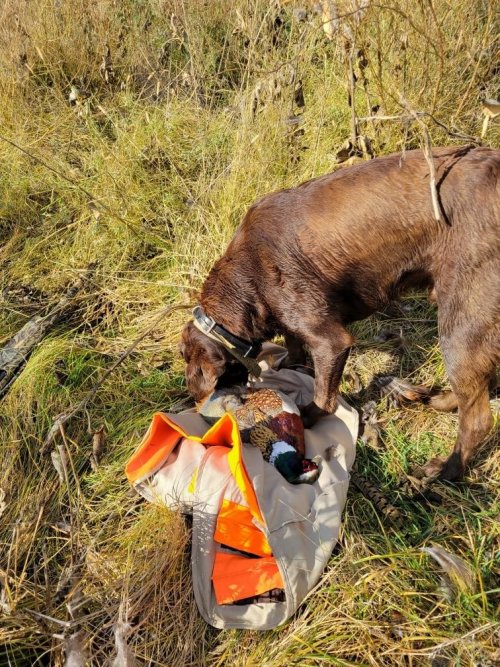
244 351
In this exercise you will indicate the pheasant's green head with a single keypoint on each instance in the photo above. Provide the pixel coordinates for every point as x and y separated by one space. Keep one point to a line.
292 466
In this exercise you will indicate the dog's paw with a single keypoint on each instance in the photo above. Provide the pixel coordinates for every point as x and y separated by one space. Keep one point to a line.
308 420
310 415
444 401
448 470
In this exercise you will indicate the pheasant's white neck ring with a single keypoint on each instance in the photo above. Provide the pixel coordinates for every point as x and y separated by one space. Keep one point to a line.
279 448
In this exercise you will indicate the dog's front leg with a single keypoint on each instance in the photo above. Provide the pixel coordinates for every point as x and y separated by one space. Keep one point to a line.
296 353
329 352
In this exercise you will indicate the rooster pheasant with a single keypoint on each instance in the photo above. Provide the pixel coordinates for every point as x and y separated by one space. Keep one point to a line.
270 421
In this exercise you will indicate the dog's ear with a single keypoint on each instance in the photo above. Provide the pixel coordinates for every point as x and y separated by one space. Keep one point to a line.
205 362
202 375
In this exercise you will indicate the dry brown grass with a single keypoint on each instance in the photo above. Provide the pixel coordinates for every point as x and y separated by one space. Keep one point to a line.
176 130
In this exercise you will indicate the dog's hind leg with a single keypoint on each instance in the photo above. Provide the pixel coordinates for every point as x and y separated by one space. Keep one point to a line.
444 401
470 369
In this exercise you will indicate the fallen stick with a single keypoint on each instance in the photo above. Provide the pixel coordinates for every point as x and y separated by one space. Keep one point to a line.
64 417
16 352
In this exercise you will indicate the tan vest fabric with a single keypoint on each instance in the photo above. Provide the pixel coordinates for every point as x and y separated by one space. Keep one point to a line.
299 524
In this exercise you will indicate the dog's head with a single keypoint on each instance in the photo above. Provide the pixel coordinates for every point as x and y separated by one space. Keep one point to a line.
208 364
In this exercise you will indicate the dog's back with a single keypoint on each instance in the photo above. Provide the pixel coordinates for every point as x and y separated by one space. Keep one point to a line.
370 232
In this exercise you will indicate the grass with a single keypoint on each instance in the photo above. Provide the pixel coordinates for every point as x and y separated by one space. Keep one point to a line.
176 130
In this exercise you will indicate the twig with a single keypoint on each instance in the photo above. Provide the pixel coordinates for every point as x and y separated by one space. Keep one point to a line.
423 114
64 624
91 197
432 650
451 133
64 417
428 156
352 93
401 117
45 617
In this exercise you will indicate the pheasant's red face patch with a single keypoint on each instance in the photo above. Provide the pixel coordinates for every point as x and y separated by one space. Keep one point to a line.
308 465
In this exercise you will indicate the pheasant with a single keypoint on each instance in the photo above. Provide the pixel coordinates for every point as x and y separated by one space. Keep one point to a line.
270 421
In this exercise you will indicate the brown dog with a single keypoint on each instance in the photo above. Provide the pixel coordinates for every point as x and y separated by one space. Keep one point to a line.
309 260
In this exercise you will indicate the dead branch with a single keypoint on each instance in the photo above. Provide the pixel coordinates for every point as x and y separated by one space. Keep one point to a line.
352 93
423 114
64 417
427 149
15 354
400 117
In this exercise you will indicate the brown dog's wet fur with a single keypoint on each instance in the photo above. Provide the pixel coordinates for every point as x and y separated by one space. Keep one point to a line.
307 261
